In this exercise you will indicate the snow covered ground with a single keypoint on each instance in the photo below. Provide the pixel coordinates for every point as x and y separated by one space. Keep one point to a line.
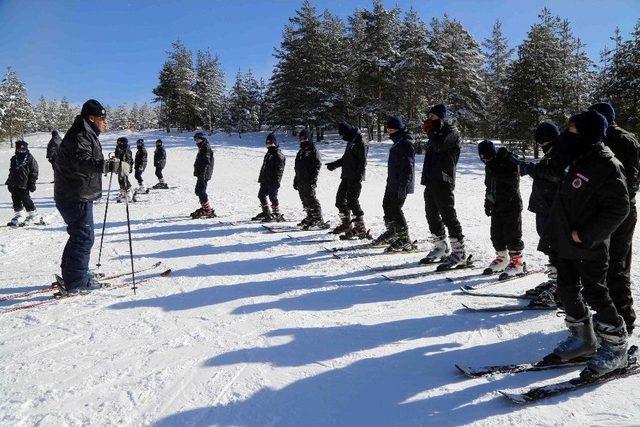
262 329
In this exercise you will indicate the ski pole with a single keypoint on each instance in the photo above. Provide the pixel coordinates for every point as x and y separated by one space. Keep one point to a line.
133 273
104 221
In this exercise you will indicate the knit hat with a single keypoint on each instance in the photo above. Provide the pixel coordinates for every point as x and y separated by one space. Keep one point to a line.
271 138
305 134
93 108
158 142
140 142
346 131
591 125
122 141
55 134
22 144
199 135
439 110
606 110
546 131
486 149
395 122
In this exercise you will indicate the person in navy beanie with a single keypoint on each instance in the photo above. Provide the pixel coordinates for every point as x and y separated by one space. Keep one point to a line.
591 203
23 175
625 147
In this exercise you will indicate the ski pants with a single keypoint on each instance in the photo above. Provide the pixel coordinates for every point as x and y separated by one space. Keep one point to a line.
270 192
138 175
439 206
506 230
619 274
310 202
347 198
581 281
541 223
159 172
124 183
77 251
21 199
392 204
201 190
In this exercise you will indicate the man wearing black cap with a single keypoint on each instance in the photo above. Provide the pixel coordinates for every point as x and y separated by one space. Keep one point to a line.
269 179
591 203
353 163
78 168
439 178
203 170
625 147
52 146
400 182
307 168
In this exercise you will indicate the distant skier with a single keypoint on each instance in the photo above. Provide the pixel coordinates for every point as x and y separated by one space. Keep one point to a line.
625 147
159 162
140 165
23 175
123 153
504 205
353 163
439 178
307 168
269 179
591 203
203 170
52 146
400 182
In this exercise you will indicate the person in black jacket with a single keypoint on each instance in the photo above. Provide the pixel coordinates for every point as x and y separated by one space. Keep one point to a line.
354 164
140 165
52 146
203 170
504 205
269 179
439 178
123 153
79 166
307 168
591 203
23 175
400 182
159 162
625 147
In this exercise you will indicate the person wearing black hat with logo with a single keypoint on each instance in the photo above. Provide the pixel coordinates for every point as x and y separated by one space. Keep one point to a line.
591 203
439 178
23 175
203 170
307 168
52 146
78 168
123 153
140 164
269 179
159 162
400 182
625 147
354 164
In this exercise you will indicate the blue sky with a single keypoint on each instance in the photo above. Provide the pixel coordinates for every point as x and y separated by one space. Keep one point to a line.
112 50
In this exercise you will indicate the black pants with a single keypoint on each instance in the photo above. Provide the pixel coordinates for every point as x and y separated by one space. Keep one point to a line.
21 199
590 276
309 200
439 205
506 230
619 274
159 172
392 206
270 192
541 223
348 198
201 190
124 183
138 175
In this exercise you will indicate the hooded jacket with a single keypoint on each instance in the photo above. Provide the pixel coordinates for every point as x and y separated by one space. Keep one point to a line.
442 154
354 160
401 163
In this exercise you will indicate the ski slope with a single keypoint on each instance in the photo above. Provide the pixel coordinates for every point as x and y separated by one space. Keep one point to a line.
261 329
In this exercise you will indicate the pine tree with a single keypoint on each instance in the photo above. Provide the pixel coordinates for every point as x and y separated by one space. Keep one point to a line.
42 117
119 118
210 89
66 115
17 110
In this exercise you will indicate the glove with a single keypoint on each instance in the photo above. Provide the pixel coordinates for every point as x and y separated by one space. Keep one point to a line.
331 166
32 187
488 208
503 152
125 168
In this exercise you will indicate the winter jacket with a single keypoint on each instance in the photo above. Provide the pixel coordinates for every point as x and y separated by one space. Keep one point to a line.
141 159
593 200
160 158
272 168
354 160
625 147
546 175
441 154
203 166
401 163
52 148
23 172
307 166
79 164
502 181
124 154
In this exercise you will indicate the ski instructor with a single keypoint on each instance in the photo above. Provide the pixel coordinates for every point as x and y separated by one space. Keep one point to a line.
78 182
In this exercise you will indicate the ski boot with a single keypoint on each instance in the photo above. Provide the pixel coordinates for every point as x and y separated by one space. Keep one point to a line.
498 265
124 195
440 250
17 219
612 351
516 266
196 214
276 215
141 189
345 225
262 215
402 243
581 342
316 223
33 218
387 236
456 258
305 220
358 231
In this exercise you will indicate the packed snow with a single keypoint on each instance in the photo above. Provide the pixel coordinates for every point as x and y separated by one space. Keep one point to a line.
254 328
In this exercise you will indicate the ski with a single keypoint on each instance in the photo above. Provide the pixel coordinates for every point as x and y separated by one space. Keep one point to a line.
384 253
531 306
310 241
468 277
534 394
386 268
285 229
482 371
497 280
465 266
362 246
495 294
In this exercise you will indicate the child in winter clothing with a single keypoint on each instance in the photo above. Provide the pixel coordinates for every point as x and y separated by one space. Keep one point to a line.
23 175
140 165
504 205
203 170
159 162
269 179
123 153
307 168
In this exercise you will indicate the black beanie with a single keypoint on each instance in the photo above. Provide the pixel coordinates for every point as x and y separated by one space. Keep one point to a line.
122 140
606 110
159 142
93 108
486 149
305 134
22 144
591 125
545 132
272 138
395 122
346 131
55 134
439 110
140 142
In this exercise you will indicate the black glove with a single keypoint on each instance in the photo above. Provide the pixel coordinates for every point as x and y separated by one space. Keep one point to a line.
331 166
32 187
488 208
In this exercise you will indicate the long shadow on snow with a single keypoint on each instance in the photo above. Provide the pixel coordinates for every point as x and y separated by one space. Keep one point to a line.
198 231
